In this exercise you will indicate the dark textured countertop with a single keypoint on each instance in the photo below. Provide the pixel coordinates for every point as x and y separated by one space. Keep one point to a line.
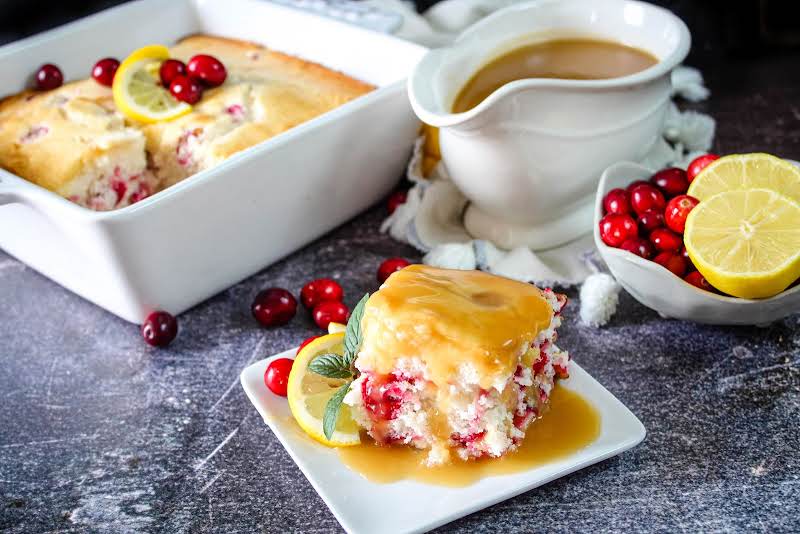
99 432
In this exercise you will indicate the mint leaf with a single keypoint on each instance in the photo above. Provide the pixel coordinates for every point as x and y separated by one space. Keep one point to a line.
352 334
332 411
330 365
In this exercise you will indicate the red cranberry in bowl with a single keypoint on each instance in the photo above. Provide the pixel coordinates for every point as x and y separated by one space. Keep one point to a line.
159 329
171 69
650 220
671 182
615 229
104 70
636 183
640 247
330 311
397 198
646 197
672 262
185 89
207 69
665 241
320 290
390 266
699 281
698 164
48 77
677 210
274 307
277 375
617 201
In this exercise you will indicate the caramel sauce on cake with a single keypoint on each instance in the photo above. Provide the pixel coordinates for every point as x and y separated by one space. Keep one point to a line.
449 318
571 424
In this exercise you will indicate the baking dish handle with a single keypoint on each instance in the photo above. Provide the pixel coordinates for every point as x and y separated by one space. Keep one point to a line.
16 191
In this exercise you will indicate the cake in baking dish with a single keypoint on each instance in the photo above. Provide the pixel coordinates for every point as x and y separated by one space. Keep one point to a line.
73 140
456 362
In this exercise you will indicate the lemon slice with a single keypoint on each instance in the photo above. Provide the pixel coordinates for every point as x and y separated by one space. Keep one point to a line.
746 243
308 393
747 171
137 88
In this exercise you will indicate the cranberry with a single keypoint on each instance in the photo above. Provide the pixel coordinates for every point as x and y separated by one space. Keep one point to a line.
665 241
48 77
671 181
159 329
561 371
274 307
104 70
615 229
672 262
650 220
171 69
382 397
685 255
698 164
635 184
396 198
277 376
522 420
538 366
390 266
645 197
330 311
306 342
677 210
617 201
185 89
640 247
207 69
320 290
699 281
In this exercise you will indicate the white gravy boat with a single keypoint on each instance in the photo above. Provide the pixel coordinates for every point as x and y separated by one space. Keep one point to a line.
530 155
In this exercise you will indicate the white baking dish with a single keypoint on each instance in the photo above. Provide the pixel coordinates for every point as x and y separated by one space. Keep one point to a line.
198 237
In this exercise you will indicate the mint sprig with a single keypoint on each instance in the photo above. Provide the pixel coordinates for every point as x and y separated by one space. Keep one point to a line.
332 410
331 365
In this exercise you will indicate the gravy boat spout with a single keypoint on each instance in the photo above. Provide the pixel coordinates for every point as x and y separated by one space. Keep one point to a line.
529 156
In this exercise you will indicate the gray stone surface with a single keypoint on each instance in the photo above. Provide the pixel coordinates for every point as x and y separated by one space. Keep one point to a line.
100 433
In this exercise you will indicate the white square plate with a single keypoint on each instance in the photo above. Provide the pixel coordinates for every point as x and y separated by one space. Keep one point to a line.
363 507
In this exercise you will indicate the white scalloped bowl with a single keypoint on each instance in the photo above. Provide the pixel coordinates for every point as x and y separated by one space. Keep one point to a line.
660 290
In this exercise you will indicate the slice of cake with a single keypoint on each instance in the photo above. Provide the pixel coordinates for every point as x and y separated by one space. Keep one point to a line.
73 141
456 361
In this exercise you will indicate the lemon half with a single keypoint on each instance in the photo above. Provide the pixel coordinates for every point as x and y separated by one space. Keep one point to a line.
137 88
747 242
308 393
747 171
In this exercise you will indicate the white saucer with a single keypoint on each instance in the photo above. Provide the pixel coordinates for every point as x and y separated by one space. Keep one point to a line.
364 507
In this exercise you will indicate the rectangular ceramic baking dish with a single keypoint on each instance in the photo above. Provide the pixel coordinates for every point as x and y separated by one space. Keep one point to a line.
190 241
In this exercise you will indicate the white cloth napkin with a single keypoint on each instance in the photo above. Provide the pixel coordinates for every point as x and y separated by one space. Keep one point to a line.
431 218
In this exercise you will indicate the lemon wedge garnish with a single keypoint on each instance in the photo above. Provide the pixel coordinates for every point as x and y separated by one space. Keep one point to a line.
747 171
308 393
137 88
747 242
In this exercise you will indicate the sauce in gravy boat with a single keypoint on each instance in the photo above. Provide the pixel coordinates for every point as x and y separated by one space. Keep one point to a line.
529 155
